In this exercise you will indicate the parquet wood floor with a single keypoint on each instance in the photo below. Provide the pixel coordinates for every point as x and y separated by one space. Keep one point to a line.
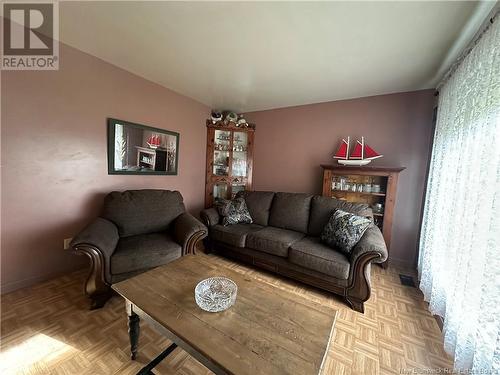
48 329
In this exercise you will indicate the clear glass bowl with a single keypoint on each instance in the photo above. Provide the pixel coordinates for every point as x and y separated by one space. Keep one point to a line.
215 294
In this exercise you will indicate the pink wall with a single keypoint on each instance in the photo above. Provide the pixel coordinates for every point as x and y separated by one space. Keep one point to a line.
54 158
291 143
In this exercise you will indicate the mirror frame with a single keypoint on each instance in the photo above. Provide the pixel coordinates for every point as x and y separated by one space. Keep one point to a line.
112 122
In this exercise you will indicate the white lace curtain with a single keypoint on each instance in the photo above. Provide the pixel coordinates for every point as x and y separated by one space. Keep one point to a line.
459 259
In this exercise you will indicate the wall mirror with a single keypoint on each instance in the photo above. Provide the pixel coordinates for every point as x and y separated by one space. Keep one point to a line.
140 149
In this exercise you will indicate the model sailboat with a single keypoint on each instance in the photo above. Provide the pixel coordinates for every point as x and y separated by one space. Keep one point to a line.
154 141
362 154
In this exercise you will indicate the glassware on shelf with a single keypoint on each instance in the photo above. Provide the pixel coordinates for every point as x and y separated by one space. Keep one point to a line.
221 163
222 143
335 183
375 188
342 184
239 167
239 148
367 188
240 141
378 208
221 135
221 147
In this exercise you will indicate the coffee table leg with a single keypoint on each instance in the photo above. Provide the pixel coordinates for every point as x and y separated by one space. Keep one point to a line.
133 333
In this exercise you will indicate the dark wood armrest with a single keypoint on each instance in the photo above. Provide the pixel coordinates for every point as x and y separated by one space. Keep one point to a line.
188 230
97 242
370 249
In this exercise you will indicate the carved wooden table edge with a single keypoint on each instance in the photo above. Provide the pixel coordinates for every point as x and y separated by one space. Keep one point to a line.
135 314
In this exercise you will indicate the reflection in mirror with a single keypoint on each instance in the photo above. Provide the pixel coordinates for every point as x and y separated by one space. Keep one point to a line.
135 148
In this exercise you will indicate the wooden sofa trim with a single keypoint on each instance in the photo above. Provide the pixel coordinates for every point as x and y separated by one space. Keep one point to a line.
96 287
359 289
355 293
193 241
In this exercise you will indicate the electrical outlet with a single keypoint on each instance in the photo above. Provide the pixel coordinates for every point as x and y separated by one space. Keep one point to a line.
67 241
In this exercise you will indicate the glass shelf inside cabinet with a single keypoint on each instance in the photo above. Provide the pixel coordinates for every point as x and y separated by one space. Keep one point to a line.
222 140
222 145
240 150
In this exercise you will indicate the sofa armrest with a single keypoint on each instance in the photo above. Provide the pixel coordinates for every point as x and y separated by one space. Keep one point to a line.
371 242
101 233
210 216
188 230
370 248
98 242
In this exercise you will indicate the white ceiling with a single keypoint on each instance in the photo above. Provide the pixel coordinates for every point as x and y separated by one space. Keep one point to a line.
250 56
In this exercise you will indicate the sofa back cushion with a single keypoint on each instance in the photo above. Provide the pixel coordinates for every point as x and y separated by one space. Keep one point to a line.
290 211
142 211
323 207
259 204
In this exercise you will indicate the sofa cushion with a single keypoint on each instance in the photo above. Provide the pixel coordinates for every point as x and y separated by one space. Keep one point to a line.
234 235
290 211
144 251
233 211
142 211
322 209
310 253
344 230
259 204
272 240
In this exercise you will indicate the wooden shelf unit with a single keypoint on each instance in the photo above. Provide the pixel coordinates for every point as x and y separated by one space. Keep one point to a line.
229 160
154 159
387 178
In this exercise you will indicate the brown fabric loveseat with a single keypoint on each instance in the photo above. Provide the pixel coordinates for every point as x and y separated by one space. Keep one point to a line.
284 238
137 230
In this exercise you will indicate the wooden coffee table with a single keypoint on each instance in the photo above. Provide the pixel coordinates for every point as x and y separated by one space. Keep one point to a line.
268 330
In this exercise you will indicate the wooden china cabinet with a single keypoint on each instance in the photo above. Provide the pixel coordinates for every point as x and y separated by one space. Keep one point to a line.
375 186
229 160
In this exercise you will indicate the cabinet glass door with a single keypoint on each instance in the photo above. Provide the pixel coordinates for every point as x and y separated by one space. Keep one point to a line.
235 188
240 150
221 190
222 148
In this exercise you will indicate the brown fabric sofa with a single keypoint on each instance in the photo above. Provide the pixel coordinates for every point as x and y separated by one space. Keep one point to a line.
284 238
137 230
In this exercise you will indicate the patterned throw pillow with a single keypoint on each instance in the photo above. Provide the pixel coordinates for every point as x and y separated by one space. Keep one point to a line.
233 212
344 230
